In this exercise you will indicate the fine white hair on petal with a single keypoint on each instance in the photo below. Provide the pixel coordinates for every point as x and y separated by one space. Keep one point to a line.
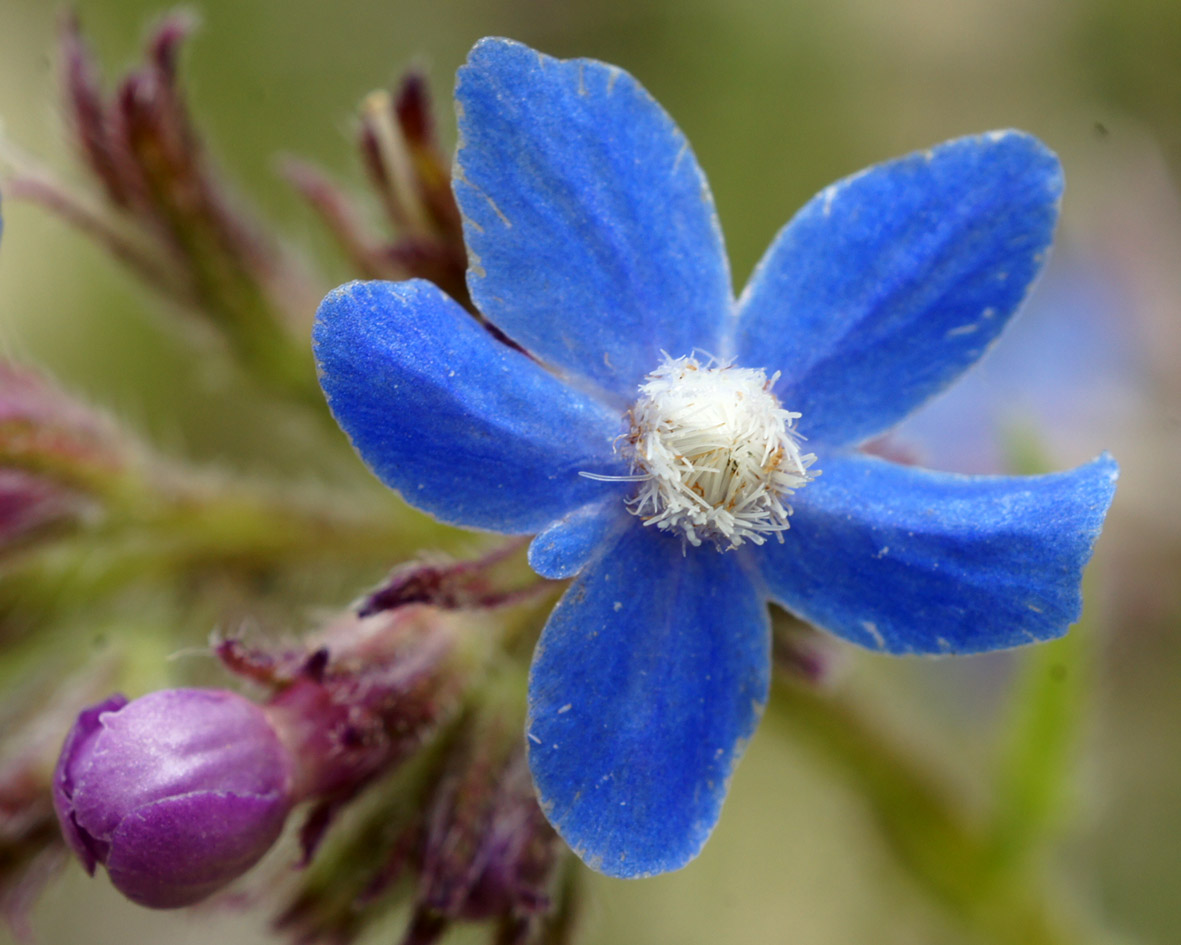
715 453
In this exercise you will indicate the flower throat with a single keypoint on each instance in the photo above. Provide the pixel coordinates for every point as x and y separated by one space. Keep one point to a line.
714 453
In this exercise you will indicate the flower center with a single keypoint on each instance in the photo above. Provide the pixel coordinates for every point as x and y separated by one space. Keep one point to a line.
714 453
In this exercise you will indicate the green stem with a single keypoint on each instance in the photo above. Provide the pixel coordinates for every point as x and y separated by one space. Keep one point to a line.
158 527
1046 713
944 848
1033 780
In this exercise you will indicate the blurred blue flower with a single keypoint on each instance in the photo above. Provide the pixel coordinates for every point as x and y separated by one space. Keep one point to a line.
1088 391
649 427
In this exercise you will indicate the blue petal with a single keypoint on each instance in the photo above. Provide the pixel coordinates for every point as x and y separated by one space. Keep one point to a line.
591 230
464 427
562 549
888 284
648 680
911 561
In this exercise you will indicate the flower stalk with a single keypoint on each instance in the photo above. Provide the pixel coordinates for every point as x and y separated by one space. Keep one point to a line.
202 526
948 849
83 500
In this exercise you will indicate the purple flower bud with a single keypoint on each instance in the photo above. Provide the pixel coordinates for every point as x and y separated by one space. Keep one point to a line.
176 793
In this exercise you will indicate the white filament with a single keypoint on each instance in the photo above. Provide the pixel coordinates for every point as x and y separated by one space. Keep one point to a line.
715 454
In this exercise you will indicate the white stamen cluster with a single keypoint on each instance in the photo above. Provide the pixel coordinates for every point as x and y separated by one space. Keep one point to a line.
714 453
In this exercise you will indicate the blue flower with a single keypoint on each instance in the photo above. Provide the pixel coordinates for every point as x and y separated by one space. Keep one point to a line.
652 436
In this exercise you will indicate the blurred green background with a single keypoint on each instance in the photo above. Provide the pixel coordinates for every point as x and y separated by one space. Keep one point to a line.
779 99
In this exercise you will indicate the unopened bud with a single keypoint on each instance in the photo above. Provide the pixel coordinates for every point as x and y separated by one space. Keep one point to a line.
411 176
176 793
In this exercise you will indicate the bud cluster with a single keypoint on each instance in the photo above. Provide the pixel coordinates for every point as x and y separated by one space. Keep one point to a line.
360 698
463 830
163 211
181 791
411 177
